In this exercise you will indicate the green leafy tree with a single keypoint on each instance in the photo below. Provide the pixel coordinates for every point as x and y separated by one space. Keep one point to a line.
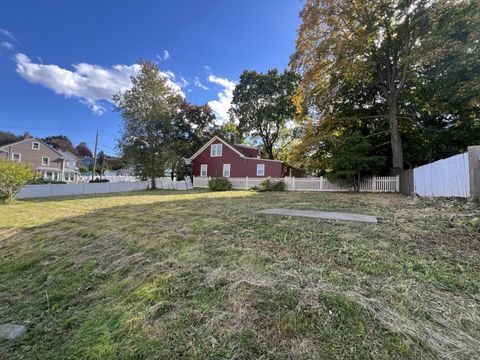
352 159
193 126
13 176
263 105
148 110
341 42
101 163
7 137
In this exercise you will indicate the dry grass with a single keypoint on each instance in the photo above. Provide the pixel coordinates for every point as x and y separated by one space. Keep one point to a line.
198 275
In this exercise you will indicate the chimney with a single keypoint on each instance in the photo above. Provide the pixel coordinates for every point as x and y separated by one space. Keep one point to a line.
26 136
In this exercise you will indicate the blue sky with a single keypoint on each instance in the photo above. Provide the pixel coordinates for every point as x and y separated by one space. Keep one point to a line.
60 61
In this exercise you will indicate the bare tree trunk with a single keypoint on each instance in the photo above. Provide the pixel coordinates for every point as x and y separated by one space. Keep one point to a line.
395 138
153 185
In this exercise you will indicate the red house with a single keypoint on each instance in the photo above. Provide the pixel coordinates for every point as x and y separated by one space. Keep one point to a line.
218 158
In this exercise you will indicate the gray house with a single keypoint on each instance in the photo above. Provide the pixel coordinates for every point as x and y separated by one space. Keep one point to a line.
48 163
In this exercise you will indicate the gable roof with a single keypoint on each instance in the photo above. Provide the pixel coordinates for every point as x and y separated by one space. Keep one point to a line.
37 140
236 148
210 142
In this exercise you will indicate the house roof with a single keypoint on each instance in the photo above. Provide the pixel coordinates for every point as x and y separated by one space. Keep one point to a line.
36 139
248 151
236 148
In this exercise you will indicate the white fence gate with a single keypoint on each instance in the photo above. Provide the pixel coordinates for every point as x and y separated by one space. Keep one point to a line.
448 177
48 190
373 184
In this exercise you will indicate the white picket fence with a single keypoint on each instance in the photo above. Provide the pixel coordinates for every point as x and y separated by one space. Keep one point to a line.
447 177
49 190
373 184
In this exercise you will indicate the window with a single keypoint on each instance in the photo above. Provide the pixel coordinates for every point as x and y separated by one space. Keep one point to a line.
216 150
260 169
226 170
35 145
16 157
203 170
49 175
45 161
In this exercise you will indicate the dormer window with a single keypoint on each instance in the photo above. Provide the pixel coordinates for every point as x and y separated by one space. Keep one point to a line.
216 150
35 145
45 161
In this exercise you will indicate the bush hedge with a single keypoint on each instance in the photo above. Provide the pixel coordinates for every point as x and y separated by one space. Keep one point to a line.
97 180
270 185
219 184
41 181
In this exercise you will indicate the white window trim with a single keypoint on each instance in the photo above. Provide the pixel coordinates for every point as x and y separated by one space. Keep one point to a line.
261 166
19 157
48 161
38 144
206 170
223 172
216 153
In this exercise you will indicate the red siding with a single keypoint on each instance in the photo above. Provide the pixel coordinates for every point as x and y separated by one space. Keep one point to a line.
239 167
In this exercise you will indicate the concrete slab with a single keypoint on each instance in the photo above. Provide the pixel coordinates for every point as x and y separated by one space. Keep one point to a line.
320 215
12 331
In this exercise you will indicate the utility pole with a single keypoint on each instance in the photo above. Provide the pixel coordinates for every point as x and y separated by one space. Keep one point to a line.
95 157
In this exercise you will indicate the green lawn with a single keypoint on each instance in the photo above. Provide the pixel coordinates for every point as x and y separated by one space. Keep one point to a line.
198 275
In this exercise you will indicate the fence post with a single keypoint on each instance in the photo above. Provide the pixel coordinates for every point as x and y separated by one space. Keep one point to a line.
374 183
474 170
246 182
293 182
397 183
321 183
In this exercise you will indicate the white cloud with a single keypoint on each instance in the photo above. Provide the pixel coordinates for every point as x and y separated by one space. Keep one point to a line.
164 57
199 84
7 45
221 106
8 34
92 85
183 82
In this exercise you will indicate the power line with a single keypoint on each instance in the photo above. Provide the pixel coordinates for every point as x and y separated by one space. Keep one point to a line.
40 128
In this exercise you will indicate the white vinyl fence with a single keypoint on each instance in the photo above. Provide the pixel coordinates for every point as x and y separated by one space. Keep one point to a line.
47 190
373 184
447 177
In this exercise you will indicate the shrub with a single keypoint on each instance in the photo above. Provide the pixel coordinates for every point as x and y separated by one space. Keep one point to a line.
98 180
13 176
42 181
270 185
219 184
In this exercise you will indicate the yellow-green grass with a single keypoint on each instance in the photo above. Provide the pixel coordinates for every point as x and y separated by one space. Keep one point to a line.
199 275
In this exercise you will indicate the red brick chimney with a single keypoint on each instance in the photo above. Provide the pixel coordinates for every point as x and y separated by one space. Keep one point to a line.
26 136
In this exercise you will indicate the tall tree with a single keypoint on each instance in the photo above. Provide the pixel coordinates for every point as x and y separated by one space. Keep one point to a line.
60 142
263 106
148 110
83 150
193 126
344 41
6 137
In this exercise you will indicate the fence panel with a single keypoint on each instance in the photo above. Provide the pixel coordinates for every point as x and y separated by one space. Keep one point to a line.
448 177
47 190
375 184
